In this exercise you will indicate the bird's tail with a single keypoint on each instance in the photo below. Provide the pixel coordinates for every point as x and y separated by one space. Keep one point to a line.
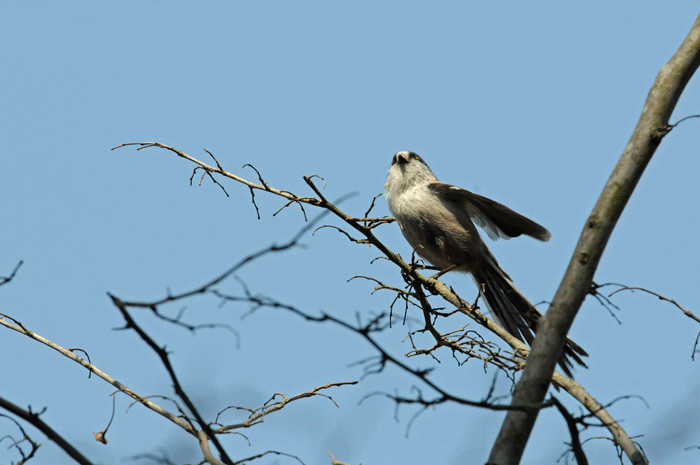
516 314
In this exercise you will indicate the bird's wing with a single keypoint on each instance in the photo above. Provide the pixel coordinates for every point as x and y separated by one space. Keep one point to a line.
497 220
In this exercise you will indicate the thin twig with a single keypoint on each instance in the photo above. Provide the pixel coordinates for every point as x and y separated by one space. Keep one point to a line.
687 313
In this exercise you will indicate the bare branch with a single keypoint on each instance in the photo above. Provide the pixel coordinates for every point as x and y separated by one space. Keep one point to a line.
550 339
214 158
571 423
17 326
258 415
352 239
209 174
38 423
240 264
410 274
7 279
165 361
17 445
687 313
376 364
263 454
672 126
163 458
218 170
603 300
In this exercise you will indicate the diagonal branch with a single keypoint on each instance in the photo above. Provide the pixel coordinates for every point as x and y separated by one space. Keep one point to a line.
38 423
17 326
650 130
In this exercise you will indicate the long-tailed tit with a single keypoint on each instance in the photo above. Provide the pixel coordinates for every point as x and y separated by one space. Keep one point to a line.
437 220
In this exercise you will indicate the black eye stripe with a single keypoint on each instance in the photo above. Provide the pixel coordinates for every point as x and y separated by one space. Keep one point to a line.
414 156
406 157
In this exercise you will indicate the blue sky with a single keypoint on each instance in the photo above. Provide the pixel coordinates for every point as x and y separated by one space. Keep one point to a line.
530 105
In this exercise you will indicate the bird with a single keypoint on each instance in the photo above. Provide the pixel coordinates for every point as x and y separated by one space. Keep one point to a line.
439 222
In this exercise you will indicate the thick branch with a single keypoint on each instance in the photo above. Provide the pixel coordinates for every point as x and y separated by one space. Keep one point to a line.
652 126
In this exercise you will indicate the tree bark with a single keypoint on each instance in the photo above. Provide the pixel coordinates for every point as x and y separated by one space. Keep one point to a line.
650 130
